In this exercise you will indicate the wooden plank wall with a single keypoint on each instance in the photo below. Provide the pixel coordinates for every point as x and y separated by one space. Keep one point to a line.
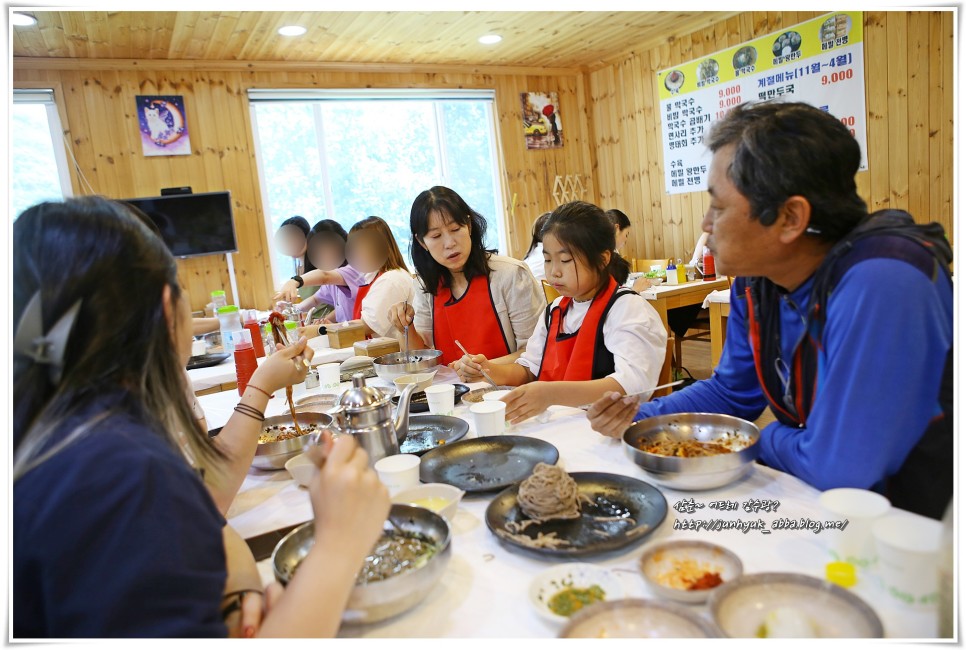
103 133
909 97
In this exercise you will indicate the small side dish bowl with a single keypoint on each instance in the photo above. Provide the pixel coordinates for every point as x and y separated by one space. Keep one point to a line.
569 588
439 497
423 380
301 469
670 568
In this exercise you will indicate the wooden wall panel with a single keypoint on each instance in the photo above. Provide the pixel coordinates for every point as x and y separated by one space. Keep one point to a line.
909 98
102 128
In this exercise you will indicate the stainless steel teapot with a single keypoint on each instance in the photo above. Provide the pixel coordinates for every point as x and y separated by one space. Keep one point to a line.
365 413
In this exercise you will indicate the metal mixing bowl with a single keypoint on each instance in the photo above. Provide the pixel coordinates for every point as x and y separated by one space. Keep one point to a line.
274 455
391 366
700 473
380 600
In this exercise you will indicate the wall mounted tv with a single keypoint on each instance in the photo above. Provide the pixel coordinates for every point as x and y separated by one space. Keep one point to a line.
192 224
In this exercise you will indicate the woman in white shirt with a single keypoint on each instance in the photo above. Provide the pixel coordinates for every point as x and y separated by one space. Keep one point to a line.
595 337
487 302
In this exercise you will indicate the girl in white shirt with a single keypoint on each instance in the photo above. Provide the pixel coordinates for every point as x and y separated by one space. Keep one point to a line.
595 337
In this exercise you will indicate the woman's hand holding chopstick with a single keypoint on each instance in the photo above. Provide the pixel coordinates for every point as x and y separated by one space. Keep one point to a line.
286 367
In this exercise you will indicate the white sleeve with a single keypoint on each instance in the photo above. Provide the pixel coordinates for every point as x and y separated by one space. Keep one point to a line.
391 287
635 335
423 306
525 302
533 355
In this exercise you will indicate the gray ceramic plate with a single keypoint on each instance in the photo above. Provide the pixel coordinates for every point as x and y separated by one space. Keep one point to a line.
486 464
613 495
428 432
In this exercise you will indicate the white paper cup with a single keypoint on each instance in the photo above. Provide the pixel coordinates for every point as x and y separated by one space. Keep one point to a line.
495 395
489 418
398 472
329 376
861 508
198 348
441 399
907 550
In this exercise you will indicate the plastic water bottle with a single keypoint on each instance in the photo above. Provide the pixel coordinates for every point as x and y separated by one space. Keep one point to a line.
218 299
245 361
229 320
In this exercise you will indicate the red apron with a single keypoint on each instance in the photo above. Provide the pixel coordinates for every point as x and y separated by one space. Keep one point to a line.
472 320
570 357
362 292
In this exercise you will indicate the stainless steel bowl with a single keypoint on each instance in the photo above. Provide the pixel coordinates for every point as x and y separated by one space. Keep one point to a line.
391 366
273 455
701 473
378 601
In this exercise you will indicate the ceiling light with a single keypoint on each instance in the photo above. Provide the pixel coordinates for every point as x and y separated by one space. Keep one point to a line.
292 30
22 20
490 39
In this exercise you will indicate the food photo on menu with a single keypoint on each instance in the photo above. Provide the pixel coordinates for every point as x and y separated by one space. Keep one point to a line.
368 362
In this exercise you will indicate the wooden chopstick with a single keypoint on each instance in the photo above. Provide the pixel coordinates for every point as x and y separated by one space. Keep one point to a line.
483 372
584 407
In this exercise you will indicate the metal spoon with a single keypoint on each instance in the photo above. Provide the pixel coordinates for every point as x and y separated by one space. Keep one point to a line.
406 338
584 407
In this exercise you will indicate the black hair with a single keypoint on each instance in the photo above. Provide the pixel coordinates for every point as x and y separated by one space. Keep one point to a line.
299 222
786 149
447 203
97 252
323 226
537 227
618 218
588 233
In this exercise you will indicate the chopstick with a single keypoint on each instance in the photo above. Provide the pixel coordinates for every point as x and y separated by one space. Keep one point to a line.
483 372
584 407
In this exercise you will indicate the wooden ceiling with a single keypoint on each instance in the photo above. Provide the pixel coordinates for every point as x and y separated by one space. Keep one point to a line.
531 39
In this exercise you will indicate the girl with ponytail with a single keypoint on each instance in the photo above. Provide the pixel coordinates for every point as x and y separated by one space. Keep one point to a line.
596 337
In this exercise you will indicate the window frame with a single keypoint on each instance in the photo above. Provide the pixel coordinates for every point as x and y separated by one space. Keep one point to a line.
319 95
59 132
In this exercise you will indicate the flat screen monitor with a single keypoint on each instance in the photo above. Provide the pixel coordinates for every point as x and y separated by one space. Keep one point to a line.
192 224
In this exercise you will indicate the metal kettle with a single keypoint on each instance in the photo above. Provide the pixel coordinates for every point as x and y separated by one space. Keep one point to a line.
365 413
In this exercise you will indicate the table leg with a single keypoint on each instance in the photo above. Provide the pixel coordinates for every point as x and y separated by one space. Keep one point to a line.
719 324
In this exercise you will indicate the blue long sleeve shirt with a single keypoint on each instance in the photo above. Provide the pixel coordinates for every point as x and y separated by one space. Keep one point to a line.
884 347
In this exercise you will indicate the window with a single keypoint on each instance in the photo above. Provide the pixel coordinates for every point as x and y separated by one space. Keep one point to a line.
346 155
39 164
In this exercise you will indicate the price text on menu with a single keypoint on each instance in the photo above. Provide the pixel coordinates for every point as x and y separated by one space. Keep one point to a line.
819 62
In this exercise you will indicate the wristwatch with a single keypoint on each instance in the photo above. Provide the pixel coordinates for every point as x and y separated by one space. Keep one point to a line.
298 278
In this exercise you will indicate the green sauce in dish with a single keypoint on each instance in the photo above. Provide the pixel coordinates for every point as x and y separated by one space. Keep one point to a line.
571 600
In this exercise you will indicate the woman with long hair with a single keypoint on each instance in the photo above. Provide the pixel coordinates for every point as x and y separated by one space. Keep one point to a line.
487 302
338 281
115 533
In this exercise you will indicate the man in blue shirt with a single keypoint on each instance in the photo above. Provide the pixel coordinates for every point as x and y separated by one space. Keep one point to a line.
841 322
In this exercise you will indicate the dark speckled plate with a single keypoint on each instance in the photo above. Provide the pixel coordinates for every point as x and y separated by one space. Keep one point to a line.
613 495
431 431
486 464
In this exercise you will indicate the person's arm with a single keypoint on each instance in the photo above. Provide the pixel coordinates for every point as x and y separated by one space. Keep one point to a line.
389 289
238 439
309 303
289 289
885 343
733 388
201 326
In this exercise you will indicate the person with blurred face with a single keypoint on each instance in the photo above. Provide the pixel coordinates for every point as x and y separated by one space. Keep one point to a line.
291 240
338 281
841 321
487 302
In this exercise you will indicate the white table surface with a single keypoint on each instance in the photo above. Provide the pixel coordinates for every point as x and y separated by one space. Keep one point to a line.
484 590
224 372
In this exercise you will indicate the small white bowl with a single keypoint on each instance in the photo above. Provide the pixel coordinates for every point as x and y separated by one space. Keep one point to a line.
301 469
571 574
495 395
422 380
661 558
439 497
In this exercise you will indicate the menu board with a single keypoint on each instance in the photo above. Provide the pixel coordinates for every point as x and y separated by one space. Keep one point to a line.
818 62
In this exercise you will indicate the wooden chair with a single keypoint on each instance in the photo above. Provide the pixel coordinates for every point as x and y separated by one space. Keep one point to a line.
548 291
